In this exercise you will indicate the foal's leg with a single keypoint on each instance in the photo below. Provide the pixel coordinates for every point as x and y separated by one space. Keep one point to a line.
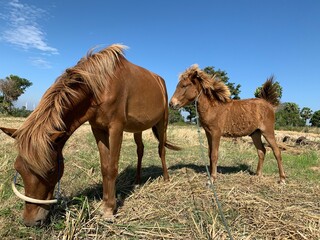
213 142
209 139
160 129
256 138
140 148
109 145
271 139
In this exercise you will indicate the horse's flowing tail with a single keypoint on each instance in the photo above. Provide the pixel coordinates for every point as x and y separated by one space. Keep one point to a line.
167 144
269 92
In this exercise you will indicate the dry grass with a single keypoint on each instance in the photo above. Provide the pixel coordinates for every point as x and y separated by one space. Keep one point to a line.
184 207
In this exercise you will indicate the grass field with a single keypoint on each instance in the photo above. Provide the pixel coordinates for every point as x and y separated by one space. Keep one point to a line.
184 208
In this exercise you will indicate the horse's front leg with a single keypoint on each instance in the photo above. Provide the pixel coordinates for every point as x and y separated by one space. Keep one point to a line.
109 145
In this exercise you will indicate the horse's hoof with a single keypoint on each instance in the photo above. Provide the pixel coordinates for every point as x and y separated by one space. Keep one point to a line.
106 213
109 218
282 182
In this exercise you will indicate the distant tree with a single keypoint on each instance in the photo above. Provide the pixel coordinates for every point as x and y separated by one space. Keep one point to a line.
306 113
11 88
222 76
315 119
20 112
291 107
191 109
175 116
279 90
288 114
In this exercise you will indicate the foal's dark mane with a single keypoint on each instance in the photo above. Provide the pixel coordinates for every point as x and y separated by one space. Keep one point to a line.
214 89
92 72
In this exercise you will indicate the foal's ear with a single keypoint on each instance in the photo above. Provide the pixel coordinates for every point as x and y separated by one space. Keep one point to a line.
194 76
9 131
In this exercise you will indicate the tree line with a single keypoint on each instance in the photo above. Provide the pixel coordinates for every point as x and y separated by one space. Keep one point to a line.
11 88
288 114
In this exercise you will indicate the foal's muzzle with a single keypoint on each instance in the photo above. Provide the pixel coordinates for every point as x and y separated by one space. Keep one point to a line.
174 105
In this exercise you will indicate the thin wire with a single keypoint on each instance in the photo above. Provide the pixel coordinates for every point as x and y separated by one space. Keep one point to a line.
224 221
58 187
15 178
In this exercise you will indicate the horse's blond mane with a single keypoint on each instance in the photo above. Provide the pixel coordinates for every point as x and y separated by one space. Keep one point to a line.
214 89
34 136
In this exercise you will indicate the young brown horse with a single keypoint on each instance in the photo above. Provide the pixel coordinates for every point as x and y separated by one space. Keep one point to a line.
221 116
111 93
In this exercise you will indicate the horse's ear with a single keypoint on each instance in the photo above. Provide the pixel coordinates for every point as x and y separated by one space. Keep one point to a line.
9 131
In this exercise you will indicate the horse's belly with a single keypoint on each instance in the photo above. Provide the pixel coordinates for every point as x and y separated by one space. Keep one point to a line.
238 132
239 129
142 121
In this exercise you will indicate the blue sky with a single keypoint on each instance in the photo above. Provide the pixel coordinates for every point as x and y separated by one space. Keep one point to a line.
249 39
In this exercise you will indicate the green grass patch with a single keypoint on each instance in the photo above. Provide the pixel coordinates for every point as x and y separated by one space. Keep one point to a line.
304 167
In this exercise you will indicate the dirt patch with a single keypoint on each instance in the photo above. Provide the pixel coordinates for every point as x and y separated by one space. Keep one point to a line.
316 169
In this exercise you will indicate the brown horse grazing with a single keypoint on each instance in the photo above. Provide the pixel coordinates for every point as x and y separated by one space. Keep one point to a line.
111 93
221 116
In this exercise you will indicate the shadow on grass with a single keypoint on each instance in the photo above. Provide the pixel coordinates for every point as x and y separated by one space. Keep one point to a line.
221 169
125 182
125 185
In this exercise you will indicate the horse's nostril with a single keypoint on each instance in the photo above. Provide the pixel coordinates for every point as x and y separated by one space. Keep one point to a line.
38 223
33 223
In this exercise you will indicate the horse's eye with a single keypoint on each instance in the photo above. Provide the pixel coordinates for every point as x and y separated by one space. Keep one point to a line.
51 171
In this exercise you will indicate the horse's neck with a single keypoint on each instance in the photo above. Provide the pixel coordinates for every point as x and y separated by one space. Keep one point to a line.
207 109
203 104
78 116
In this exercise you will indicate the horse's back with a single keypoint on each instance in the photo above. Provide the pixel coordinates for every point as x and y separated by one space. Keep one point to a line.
146 97
245 116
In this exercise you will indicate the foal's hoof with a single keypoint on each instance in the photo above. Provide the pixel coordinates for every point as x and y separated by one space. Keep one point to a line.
282 182
210 182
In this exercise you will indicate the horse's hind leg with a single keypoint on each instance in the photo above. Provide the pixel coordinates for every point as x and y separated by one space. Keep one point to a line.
256 138
140 149
271 139
159 131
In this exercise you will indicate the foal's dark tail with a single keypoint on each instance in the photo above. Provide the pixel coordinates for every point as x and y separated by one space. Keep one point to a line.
269 92
167 144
